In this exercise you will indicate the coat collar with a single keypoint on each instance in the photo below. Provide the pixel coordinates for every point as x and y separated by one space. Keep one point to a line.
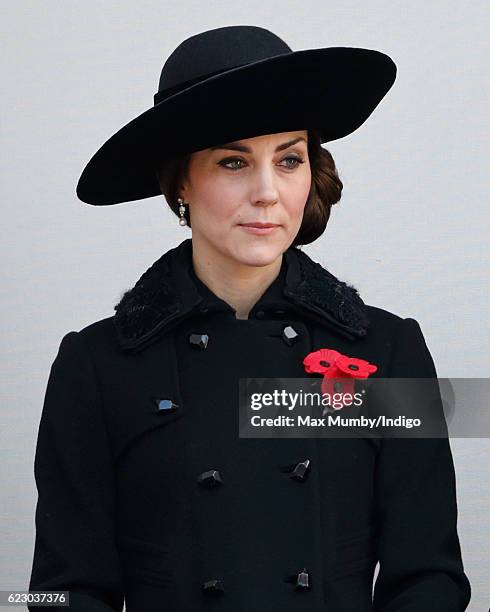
169 291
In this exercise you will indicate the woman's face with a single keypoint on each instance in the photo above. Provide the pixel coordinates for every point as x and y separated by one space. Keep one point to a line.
265 179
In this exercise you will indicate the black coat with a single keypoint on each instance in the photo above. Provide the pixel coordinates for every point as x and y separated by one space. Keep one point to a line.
126 508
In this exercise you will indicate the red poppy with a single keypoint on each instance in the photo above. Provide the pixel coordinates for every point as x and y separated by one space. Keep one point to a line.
356 368
332 386
322 362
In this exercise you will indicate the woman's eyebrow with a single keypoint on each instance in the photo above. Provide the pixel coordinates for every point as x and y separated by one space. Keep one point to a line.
233 146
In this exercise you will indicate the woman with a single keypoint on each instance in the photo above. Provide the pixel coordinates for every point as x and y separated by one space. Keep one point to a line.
146 491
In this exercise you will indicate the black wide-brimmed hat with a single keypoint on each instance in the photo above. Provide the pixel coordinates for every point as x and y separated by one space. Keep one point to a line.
232 83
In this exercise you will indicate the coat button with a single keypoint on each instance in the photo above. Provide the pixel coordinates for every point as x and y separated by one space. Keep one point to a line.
210 479
199 340
301 581
289 335
213 587
299 471
260 314
165 405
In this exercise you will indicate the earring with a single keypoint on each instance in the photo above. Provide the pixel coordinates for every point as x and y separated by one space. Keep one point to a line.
182 220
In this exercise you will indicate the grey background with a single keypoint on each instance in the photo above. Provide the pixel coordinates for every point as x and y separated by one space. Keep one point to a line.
410 231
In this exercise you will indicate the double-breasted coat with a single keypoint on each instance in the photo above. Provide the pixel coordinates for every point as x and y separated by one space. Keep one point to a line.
147 494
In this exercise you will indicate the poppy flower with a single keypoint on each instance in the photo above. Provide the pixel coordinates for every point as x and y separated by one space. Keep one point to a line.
322 361
331 386
356 368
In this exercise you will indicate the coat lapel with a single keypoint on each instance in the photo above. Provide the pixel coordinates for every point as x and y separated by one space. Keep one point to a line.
166 293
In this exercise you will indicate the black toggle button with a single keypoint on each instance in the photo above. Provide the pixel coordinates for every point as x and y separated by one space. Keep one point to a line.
165 405
301 581
213 587
210 479
289 335
301 470
199 340
260 314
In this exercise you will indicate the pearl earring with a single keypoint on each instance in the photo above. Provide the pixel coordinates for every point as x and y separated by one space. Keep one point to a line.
182 220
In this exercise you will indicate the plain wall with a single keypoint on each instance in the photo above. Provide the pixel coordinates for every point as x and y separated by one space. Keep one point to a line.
410 231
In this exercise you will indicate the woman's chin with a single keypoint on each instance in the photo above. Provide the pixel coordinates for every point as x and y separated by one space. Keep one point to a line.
255 252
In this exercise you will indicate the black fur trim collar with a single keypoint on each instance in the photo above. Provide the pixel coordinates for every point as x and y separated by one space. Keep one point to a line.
165 294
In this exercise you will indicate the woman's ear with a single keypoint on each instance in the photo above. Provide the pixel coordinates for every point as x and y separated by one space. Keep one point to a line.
183 191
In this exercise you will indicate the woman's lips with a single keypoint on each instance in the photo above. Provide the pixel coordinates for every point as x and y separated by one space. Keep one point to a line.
259 230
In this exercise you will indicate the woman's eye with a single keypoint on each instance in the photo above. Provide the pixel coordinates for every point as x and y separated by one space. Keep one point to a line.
235 160
230 160
297 160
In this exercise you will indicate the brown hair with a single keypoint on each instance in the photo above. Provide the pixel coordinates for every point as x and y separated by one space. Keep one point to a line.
325 191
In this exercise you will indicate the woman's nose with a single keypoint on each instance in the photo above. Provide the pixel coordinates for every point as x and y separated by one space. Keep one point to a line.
264 189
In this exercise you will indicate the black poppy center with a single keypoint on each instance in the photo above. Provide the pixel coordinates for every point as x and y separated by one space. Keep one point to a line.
353 367
325 363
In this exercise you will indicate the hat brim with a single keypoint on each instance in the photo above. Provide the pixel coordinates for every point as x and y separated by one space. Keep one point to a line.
333 89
